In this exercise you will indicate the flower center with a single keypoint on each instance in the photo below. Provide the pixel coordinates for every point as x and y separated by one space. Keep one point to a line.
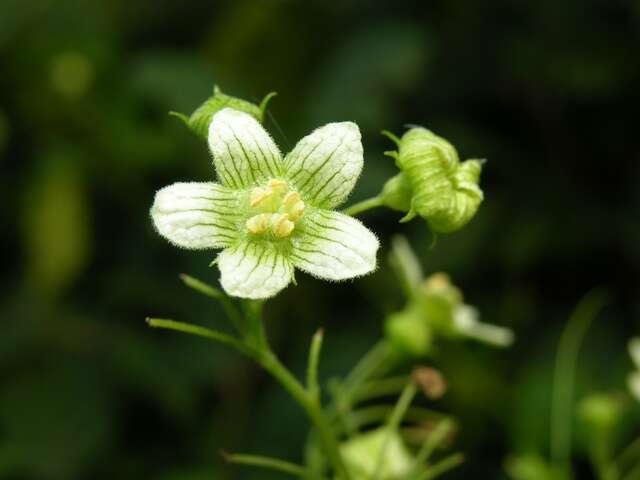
274 208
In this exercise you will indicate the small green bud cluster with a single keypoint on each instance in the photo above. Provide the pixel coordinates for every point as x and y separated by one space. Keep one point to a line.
432 182
437 310
200 119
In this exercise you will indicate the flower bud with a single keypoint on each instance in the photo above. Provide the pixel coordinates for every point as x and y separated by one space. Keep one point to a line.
437 309
409 332
601 413
380 453
200 119
444 191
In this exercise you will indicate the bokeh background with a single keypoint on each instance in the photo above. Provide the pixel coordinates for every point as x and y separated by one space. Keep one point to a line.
547 91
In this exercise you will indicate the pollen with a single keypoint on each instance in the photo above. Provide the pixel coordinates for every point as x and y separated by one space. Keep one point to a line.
275 209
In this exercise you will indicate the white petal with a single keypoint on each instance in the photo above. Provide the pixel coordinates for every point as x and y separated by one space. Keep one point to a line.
243 152
466 320
196 215
325 165
254 270
634 350
334 246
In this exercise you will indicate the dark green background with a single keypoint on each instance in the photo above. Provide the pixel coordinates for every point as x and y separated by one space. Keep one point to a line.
547 91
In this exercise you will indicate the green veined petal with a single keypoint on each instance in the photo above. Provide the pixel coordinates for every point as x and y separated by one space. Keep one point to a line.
254 269
334 246
325 165
243 152
196 215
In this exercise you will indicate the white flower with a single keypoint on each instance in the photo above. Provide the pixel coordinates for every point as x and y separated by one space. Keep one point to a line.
272 214
633 380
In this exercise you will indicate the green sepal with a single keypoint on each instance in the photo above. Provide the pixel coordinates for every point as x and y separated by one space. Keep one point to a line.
198 122
396 193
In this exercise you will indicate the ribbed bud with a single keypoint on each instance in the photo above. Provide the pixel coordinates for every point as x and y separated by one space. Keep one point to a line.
200 119
444 191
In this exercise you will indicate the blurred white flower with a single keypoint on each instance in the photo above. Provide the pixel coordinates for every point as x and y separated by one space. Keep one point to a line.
633 380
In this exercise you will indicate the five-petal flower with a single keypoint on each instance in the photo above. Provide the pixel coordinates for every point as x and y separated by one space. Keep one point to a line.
272 214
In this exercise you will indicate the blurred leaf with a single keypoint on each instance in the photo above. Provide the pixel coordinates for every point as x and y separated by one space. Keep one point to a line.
56 227
4 131
361 80
16 14
172 80
54 422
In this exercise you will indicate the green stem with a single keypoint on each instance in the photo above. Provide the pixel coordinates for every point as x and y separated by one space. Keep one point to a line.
271 363
371 364
393 423
564 376
312 367
379 388
369 415
201 332
211 292
628 455
376 361
434 439
442 466
362 206
266 462
260 351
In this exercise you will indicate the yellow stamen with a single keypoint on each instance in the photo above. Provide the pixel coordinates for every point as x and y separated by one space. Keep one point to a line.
293 205
279 186
281 226
260 195
258 224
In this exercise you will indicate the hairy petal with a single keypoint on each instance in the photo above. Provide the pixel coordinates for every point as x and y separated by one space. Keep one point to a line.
243 152
196 215
254 269
325 165
334 246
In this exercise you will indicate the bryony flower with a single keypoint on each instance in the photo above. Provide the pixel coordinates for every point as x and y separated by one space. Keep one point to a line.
272 214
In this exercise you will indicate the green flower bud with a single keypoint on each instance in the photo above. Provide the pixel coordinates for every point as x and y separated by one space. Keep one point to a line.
445 191
362 455
439 299
200 119
437 309
600 413
408 332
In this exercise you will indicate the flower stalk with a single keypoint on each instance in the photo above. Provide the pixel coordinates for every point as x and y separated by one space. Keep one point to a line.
254 344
